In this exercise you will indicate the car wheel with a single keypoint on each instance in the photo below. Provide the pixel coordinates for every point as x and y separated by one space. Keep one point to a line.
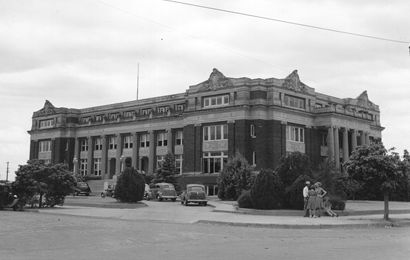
174 200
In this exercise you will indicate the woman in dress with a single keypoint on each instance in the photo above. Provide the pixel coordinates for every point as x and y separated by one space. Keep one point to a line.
312 202
320 193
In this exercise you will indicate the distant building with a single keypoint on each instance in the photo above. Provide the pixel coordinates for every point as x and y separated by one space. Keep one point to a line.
262 119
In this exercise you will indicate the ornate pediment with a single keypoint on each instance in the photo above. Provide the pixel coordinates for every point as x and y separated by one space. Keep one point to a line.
48 109
363 100
215 81
293 82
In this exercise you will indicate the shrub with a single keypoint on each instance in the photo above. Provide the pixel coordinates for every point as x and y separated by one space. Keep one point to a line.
294 198
245 200
267 191
235 177
130 185
293 166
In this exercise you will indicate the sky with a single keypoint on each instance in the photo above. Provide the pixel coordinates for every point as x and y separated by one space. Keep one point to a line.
84 53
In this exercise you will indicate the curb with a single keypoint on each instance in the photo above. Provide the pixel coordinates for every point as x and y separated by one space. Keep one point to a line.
304 226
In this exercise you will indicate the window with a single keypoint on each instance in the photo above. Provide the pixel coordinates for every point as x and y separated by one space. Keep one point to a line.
180 107
254 158
215 132
296 102
98 144
144 140
163 109
178 138
252 131
84 145
127 142
44 146
216 101
146 111
46 123
113 116
128 114
97 166
324 139
296 134
83 167
85 120
112 143
98 118
162 139
213 162
178 163
160 160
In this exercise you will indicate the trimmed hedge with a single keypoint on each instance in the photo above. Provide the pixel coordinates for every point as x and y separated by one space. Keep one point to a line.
267 191
245 200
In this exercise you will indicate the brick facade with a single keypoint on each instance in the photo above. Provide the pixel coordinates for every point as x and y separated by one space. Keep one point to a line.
285 115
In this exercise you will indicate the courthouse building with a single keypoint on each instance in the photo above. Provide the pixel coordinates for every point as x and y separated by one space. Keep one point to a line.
262 119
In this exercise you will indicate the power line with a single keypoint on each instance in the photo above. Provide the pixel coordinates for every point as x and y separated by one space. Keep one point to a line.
289 22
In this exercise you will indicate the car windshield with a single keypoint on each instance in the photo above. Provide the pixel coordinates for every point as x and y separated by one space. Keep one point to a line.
167 187
82 184
195 188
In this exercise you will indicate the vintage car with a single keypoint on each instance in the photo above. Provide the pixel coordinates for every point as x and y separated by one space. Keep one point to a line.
7 198
194 193
163 191
81 188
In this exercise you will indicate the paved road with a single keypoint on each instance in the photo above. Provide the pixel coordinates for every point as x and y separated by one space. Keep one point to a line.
30 235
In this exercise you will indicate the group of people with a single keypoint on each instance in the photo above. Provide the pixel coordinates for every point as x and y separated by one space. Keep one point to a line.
316 201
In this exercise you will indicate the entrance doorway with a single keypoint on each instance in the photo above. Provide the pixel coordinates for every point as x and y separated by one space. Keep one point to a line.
144 164
112 168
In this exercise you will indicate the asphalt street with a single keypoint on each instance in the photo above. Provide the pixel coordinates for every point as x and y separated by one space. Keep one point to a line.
32 235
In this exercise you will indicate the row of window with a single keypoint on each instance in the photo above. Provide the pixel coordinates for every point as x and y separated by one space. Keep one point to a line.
46 123
129 114
162 141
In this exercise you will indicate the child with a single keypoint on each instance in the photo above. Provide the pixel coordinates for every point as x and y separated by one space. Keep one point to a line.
328 207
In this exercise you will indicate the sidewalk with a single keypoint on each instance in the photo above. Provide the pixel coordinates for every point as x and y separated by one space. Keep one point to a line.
356 214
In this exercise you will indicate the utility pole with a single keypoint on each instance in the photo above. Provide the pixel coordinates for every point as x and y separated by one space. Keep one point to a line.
138 77
7 171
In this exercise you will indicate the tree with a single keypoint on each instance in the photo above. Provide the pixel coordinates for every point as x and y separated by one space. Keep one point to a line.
167 171
373 165
53 181
235 177
294 170
267 191
292 166
130 184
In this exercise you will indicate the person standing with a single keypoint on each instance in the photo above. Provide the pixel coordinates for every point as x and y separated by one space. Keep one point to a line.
306 198
320 192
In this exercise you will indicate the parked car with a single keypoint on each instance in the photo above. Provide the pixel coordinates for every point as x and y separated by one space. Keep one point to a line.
194 193
163 191
82 188
7 198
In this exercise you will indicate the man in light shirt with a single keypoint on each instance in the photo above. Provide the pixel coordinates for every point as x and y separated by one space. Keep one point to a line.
306 198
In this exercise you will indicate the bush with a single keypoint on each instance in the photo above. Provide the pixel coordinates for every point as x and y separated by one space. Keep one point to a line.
245 200
267 191
293 166
236 177
130 185
294 198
